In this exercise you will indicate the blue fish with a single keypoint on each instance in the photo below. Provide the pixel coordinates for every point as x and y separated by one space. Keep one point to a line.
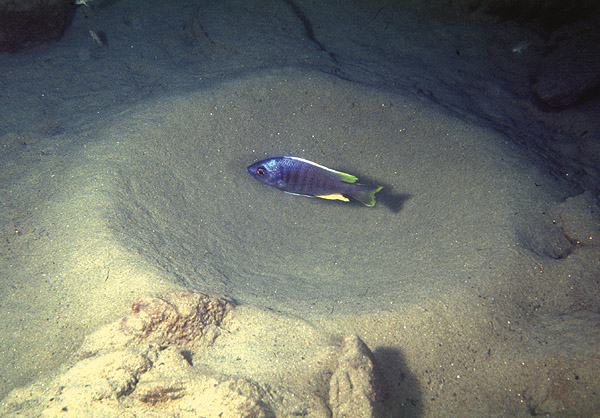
302 177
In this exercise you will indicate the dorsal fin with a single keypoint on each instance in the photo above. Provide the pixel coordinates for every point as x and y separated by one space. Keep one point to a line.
347 178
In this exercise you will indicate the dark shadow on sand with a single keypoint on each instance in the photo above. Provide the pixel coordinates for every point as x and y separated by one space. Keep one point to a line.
393 201
403 397
386 197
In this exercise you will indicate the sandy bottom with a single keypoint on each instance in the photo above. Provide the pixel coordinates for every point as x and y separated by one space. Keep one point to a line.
473 282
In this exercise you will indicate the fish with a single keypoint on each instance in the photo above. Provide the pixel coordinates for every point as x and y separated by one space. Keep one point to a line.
521 46
298 176
99 37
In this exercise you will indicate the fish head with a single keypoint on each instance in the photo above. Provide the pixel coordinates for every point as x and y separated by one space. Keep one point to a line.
267 171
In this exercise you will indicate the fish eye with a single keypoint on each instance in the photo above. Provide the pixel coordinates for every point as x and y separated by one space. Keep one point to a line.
261 171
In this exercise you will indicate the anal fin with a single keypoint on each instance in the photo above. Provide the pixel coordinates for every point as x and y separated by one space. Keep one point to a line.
335 196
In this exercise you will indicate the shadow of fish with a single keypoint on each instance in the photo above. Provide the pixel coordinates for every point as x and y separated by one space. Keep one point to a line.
302 177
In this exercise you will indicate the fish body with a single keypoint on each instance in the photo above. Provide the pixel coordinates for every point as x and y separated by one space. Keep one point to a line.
302 177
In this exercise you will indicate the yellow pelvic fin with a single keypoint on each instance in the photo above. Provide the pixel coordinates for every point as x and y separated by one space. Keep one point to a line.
335 196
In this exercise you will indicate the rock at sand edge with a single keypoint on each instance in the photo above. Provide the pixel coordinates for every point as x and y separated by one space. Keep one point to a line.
355 388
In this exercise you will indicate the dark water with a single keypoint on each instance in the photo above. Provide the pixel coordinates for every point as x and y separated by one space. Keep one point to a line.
464 62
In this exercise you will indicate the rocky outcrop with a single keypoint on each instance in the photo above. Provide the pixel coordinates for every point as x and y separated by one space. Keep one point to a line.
167 358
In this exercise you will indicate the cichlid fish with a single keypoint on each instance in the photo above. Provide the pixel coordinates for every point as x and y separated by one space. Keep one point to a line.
302 177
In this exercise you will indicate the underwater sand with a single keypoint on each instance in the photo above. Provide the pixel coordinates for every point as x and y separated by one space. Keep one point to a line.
473 280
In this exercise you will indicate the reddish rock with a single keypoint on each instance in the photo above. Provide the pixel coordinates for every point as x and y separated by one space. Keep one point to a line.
180 318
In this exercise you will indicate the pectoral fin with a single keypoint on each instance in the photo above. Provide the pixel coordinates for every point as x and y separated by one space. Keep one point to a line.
335 196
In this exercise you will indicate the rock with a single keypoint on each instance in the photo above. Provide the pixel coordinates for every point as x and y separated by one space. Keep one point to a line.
27 23
570 72
179 318
355 388
107 376
152 364
543 237
579 219
546 14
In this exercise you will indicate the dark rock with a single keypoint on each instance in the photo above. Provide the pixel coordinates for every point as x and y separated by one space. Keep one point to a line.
24 24
549 14
570 72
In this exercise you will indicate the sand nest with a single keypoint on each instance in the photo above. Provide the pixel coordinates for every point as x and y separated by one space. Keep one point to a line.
151 364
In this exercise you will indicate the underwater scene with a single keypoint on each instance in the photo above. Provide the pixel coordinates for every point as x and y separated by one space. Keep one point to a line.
289 208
